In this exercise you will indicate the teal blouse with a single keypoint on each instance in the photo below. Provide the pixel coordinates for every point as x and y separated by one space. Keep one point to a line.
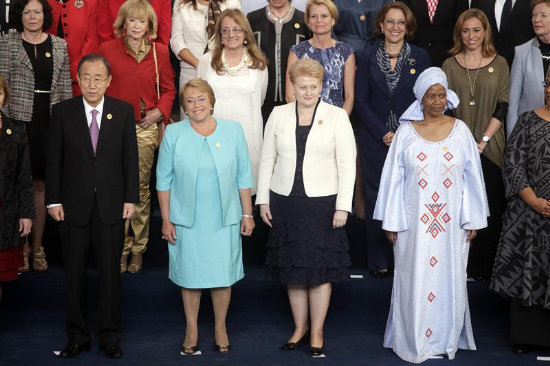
178 164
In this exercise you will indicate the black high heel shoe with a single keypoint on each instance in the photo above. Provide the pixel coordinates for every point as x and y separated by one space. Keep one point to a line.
316 351
291 346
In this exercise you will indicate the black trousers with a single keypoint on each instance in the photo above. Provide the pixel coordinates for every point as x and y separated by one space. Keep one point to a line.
529 324
379 249
484 246
107 241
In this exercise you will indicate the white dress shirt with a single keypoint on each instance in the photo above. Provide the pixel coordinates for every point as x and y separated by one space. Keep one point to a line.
88 110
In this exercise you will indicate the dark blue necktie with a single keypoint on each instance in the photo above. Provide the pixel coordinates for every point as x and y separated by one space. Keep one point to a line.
506 13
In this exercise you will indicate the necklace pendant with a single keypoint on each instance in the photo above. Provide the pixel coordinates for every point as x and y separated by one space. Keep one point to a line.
472 102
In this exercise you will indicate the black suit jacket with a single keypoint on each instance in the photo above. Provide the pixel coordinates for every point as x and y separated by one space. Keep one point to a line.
75 178
518 30
436 37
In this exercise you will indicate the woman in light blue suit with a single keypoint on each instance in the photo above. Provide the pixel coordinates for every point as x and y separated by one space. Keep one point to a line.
204 179
531 61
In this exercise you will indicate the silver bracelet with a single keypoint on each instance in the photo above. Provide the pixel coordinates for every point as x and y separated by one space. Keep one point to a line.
249 216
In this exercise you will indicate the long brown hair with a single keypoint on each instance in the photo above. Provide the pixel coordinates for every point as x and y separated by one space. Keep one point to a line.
259 61
487 46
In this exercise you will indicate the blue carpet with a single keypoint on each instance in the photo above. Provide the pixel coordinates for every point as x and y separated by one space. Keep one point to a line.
32 319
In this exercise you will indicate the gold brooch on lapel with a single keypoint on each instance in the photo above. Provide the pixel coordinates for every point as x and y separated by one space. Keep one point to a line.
218 145
78 3
297 25
8 131
362 17
109 116
491 70
320 122
48 55
413 71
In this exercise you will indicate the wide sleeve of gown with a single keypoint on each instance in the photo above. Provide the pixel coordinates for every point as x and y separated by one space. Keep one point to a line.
514 168
475 208
390 207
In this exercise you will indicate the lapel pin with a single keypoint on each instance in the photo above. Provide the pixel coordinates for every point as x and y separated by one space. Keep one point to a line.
78 3
362 17
297 25
8 131
320 122
48 55
491 70
413 71
109 116
218 145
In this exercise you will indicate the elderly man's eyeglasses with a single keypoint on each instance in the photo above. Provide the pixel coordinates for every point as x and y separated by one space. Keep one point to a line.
86 80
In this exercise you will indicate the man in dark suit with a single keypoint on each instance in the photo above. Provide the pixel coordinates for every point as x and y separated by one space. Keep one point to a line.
510 22
435 26
91 188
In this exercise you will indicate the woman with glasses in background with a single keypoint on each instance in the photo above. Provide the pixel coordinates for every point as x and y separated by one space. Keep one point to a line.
237 71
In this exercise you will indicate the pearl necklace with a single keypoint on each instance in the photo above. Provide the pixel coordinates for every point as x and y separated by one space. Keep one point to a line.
279 19
234 70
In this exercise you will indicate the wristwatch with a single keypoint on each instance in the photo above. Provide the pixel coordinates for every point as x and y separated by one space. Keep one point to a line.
485 138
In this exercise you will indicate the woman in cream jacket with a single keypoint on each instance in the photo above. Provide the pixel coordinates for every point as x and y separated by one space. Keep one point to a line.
305 190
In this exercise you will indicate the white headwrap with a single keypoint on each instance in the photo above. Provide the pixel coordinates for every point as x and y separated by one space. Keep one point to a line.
429 77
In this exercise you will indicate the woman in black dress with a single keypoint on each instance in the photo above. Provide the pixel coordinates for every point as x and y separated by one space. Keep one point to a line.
522 263
305 189
16 201
36 65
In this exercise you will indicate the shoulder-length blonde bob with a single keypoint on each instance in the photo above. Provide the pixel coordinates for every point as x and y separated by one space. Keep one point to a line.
137 9
307 67
332 9
201 86
259 61
487 46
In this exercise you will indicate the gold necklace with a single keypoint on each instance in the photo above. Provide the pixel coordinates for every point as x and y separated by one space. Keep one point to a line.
472 101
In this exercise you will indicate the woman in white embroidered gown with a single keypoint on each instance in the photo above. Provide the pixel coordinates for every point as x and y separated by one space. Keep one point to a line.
237 71
432 201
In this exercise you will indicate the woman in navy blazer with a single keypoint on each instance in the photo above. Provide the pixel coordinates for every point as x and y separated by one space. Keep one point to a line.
383 90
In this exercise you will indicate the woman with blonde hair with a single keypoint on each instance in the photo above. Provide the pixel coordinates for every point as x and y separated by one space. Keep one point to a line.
143 76
204 180
481 79
193 26
305 190
336 57
237 71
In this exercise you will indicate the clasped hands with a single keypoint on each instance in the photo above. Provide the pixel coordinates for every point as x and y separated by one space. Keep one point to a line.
338 220
151 117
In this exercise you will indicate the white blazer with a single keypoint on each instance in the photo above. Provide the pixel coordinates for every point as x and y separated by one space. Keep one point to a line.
189 28
526 77
329 160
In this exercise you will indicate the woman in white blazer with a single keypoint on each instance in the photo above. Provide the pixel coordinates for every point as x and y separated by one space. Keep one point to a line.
305 190
237 71
531 61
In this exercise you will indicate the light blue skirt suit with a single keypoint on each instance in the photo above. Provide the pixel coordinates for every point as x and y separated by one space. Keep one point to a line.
204 175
